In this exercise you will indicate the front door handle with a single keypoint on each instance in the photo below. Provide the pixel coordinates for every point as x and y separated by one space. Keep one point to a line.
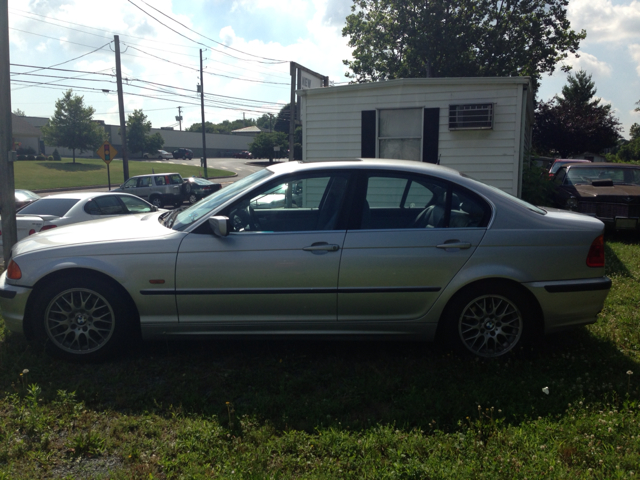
322 247
454 244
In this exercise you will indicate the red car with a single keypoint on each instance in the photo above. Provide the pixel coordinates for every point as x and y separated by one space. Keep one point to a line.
243 154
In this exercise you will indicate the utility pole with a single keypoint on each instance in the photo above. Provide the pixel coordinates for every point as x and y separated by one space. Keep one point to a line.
292 109
204 139
7 155
123 125
179 117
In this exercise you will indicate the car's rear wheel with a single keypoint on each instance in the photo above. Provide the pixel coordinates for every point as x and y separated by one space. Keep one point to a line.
489 320
156 201
81 318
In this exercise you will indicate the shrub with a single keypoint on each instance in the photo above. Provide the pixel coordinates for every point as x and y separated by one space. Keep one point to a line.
40 156
536 187
22 157
50 157
25 151
31 157
56 155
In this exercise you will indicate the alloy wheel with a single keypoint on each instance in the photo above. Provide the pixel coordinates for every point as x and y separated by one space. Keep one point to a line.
79 320
490 325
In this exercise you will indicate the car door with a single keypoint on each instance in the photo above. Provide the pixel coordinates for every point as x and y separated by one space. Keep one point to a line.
412 235
280 262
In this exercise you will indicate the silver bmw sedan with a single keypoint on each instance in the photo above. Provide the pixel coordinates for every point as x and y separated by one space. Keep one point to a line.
353 248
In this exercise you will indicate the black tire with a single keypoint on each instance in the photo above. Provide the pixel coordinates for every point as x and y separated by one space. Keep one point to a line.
193 198
489 320
81 318
156 201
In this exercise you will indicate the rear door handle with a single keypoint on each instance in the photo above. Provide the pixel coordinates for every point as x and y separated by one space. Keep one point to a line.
454 244
322 247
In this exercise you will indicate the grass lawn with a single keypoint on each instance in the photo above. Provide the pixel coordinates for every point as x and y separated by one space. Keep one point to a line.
42 175
303 409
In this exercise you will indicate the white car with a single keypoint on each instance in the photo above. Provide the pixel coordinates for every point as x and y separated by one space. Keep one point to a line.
64 209
160 155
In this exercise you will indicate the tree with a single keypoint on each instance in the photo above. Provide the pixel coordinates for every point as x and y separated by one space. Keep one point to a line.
72 126
19 113
431 38
575 122
225 126
138 134
282 120
634 131
262 145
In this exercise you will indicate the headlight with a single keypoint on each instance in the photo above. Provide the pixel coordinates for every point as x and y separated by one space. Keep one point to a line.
572 203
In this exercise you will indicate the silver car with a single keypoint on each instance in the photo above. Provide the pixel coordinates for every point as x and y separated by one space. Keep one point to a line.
369 248
159 189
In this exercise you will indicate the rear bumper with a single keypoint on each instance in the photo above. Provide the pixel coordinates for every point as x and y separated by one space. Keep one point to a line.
13 301
570 303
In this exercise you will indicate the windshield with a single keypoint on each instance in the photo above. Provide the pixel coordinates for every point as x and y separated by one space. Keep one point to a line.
213 201
50 206
617 176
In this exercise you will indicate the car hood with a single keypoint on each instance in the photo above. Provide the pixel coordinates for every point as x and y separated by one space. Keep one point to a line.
104 231
590 191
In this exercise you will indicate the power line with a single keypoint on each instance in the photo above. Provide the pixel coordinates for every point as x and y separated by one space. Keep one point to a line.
130 36
209 73
52 38
131 80
62 63
211 39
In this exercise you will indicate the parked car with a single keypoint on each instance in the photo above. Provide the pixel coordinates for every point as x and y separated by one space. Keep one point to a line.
198 188
24 197
159 189
183 153
607 191
160 155
372 248
65 209
243 154
560 162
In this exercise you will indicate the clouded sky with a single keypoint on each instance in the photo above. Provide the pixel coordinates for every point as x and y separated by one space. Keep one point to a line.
247 45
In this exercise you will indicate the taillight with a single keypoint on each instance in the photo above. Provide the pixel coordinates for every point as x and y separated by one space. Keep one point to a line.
47 227
13 271
595 257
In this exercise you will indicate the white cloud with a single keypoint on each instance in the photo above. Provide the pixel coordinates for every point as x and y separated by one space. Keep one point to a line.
634 50
605 21
589 63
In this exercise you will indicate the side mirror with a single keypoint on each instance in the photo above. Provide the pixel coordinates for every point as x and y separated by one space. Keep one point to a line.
219 225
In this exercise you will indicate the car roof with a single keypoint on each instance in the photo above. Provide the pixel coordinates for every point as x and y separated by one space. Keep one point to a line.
603 164
359 163
154 174
85 195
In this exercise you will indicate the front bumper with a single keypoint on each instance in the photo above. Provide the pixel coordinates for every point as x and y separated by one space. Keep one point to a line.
13 302
570 303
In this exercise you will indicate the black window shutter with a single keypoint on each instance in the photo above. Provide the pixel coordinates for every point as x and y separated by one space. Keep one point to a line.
368 134
431 128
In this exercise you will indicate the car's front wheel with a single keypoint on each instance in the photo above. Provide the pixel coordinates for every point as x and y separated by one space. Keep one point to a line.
193 198
81 318
156 201
489 320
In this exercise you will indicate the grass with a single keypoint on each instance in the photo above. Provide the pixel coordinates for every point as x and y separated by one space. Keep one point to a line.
294 409
43 175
